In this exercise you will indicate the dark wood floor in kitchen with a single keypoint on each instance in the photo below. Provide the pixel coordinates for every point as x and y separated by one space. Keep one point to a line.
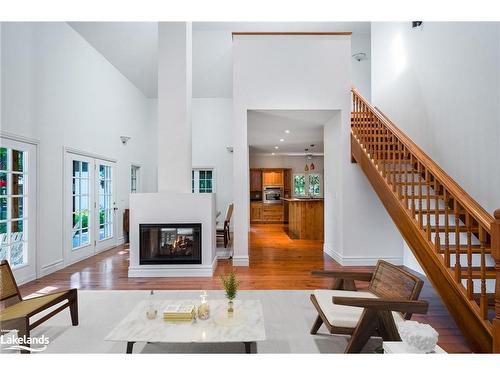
276 262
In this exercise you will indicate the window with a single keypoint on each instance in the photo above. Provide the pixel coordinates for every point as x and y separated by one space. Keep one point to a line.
299 184
105 202
134 179
202 181
13 200
307 184
81 196
314 184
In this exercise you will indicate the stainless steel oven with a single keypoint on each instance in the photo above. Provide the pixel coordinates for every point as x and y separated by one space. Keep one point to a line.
272 194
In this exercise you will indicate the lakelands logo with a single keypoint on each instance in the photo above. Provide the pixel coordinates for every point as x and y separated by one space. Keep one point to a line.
31 344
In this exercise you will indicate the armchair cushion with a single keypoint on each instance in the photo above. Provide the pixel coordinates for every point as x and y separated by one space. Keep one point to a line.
340 315
28 306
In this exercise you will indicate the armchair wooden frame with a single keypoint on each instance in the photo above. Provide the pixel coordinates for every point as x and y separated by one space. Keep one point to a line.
20 320
397 290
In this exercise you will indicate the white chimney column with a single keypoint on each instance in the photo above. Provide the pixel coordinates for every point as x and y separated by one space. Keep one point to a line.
174 106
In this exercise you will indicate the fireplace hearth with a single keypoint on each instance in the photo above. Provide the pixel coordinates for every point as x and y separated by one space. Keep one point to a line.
170 244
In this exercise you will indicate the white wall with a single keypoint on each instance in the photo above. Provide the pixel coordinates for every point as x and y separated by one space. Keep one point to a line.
174 106
212 133
213 68
440 85
361 70
310 73
58 90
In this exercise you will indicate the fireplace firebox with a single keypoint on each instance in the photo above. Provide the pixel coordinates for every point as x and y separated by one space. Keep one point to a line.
170 243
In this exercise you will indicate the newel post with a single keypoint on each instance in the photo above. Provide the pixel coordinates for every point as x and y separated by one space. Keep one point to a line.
495 251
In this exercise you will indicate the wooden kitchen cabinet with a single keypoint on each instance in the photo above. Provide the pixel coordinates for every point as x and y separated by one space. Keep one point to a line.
272 177
255 212
255 180
287 183
272 212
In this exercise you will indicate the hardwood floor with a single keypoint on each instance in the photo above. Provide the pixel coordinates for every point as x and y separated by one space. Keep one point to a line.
276 262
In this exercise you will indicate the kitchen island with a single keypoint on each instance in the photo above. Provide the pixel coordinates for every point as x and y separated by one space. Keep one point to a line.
305 218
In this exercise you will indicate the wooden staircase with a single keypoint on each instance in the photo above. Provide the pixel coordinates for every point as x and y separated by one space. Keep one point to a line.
454 239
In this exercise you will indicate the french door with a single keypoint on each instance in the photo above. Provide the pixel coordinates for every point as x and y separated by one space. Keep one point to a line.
18 180
90 206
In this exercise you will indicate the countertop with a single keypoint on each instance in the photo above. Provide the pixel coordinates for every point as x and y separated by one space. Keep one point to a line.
303 199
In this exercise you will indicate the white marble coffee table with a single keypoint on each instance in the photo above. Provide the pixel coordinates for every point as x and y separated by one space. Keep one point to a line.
247 325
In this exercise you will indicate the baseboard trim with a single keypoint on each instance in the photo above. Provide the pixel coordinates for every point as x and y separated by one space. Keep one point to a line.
51 267
359 260
241 261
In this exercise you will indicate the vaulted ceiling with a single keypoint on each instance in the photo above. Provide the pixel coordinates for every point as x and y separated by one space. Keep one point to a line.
132 47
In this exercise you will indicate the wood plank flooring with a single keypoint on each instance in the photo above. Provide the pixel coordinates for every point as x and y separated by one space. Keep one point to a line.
276 262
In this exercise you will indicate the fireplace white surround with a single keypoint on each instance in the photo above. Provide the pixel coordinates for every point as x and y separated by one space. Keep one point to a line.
178 208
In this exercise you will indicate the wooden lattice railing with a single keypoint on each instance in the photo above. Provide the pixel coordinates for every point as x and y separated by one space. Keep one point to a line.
463 237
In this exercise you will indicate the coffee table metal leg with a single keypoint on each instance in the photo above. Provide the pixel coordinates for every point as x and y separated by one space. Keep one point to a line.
251 347
130 346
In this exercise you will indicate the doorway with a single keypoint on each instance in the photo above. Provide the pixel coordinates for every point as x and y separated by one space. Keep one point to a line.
90 206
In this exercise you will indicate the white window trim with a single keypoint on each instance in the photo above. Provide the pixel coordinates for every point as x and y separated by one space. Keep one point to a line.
138 186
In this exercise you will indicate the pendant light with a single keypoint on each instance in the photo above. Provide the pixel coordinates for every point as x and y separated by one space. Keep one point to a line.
311 167
306 168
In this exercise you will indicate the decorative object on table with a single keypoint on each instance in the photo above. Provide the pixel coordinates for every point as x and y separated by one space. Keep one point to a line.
151 312
231 287
178 313
204 308
420 337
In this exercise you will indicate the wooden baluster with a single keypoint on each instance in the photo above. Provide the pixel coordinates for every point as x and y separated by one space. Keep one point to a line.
495 252
412 188
393 167
428 203
458 266
483 299
420 196
405 186
384 150
437 239
446 229
470 283
400 169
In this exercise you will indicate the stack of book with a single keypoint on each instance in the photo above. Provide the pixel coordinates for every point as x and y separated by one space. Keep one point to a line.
179 313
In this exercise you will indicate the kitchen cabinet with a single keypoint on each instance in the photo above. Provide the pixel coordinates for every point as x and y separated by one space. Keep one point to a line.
287 183
272 177
256 211
272 212
255 180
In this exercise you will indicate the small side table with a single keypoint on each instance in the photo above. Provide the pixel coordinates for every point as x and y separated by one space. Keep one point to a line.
399 347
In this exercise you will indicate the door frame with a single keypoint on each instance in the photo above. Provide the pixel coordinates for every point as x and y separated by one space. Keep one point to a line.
107 243
65 150
36 270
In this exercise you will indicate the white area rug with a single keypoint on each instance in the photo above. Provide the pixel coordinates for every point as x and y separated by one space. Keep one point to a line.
288 317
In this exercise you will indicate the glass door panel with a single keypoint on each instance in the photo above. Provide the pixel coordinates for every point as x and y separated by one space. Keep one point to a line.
18 207
106 204
79 178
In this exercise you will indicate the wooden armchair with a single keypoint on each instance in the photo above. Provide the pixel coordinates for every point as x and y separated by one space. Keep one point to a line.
391 297
224 230
16 311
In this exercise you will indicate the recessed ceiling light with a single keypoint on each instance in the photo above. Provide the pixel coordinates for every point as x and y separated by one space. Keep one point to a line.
282 140
287 131
276 147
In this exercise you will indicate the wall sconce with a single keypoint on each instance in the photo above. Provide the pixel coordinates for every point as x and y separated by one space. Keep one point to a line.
416 24
124 139
359 56
230 149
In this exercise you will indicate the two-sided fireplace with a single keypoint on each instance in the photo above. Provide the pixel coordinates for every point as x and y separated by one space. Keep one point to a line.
170 243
